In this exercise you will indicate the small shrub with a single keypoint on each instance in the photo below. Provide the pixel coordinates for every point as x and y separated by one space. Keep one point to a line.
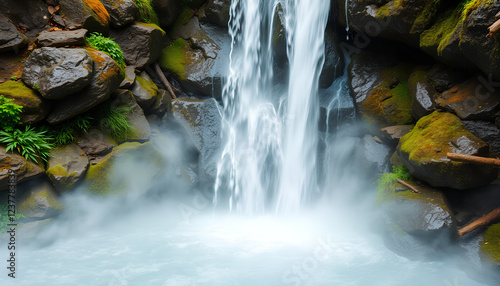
5 218
107 45
113 120
30 143
65 133
9 113
390 178
146 12
13 77
35 87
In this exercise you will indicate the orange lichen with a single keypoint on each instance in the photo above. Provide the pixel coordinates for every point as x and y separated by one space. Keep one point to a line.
99 10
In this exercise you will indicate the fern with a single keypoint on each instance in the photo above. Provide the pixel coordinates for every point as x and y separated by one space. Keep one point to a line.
9 113
113 120
388 179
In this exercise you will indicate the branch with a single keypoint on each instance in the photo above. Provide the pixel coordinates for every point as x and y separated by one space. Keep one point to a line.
494 30
473 159
164 80
412 188
482 221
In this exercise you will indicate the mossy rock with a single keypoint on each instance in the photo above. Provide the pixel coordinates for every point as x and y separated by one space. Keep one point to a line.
89 14
66 166
35 108
490 246
39 201
423 152
128 167
144 90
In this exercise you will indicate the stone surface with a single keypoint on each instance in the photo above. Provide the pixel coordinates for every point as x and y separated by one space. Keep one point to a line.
32 15
423 152
88 14
94 142
217 12
334 61
423 94
38 201
144 90
162 103
140 125
129 80
66 166
106 78
122 12
394 133
57 39
168 11
58 72
141 43
10 38
35 108
486 131
23 169
376 153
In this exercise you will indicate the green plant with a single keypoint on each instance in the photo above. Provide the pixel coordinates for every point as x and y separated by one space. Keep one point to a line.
107 45
30 143
35 87
9 113
64 134
5 218
13 77
146 12
390 178
113 119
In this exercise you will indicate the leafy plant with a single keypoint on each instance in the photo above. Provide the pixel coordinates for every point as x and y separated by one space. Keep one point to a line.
390 178
146 12
35 87
5 219
13 77
9 113
30 143
113 119
107 45
64 134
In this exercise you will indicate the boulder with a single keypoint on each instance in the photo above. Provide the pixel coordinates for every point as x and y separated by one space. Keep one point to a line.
140 125
486 131
394 133
444 77
88 14
10 38
470 100
490 246
121 12
35 108
129 80
162 103
376 154
94 142
23 169
38 201
217 12
32 15
423 94
423 152
106 78
58 72
167 10
66 166
145 91
130 166
141 43
58 39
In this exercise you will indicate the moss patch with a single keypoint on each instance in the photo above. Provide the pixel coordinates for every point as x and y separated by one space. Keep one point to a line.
19 92
154 26
173 58
183 18
99 10
490 246
150 86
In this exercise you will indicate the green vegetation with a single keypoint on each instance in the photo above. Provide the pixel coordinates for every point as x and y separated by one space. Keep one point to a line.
30 143
146 12
13 77
9 113
5 219
64 133
388 179
490 246
35 87
113 120
173 57
107 45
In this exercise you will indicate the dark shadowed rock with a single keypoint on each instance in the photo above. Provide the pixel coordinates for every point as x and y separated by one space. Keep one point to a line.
141 43
144 90
167 11
140 125
94 142
443 77
106 78
486 131
57 39
162 103
394 133
334 62
66 166
122 12
58 73
32 15
88 14
10 38
423 94
38 200
217 12
23 169
35 108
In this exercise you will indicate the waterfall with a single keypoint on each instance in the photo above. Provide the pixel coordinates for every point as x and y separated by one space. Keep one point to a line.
270 133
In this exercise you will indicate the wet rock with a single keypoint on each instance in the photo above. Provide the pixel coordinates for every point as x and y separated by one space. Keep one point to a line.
167 10
106 78
162 103
57 73
88 14
423 94
279 37
66 166
470 100
129 80
141 43
140 125
38 201
217 12
32 15
57 39
11 65
490 246
336 107
121 12
444 77
486 131
334 62
423 152
94 142
10 38
376 153
394 133
145 91
35 108
23 169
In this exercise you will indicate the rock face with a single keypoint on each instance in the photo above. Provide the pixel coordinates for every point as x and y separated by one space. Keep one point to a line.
10 38
23 169
394 133
140 125
94 142
106 78
375 153
57 73
30 14
129 77
57 39
334 62
39 201
486 131
35 108
168 9
144 90
490 246
217 12
141 43
89 14
423 152
66 166
423 95
121 12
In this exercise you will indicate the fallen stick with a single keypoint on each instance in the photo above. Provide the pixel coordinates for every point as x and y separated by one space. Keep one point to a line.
473 159
482 221
412 188
164 80
494 30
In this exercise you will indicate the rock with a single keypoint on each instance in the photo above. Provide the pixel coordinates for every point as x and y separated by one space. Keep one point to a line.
35 108
121 12
490 246
336 107
131 166
58 73
88 14
10 38
217 12
144 90
486 131
23 169
38 201
418 225
423 152
444 77
470 101
32 15
129 80
279 41
94 142
57 39
106 78
11 65
167 10
140 125
162 103
66 166
376 153
394 133
423 94
141 43
334 62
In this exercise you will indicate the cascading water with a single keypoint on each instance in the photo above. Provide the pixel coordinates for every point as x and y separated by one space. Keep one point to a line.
271 139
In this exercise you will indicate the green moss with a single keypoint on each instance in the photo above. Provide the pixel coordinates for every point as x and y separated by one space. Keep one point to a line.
472 5
425 17
146 12
18 91
184 17
150 86
490 246
57 171
173 58
153 26
392 7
